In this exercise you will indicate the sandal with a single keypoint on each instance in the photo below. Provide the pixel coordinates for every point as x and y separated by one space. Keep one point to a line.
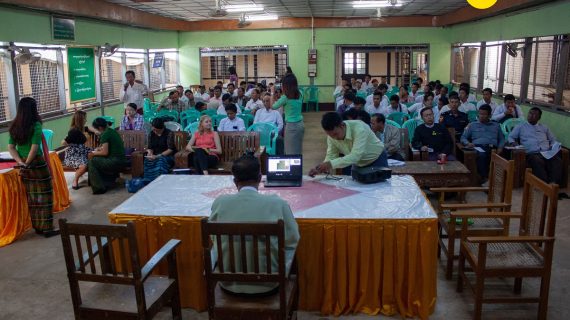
77 187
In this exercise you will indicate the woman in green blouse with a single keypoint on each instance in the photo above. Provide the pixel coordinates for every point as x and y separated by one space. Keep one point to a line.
292 103
107 161
24 146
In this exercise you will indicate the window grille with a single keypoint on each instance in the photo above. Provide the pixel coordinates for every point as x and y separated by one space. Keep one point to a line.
492 66
513 69
170 69
39 80
111 77
155 75
280 65
4 107
545 60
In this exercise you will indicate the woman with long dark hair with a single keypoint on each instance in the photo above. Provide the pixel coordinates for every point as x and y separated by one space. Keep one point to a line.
76 152
108 160
24 146
292 103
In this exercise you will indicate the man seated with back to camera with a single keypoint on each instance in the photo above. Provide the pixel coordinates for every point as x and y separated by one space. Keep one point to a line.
389 135
355 114
355 140
248 205
485 134
432 135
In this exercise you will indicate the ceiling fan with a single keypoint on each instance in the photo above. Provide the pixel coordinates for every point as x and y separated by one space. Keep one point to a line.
23 55
512 48
243 22
218 11
108 50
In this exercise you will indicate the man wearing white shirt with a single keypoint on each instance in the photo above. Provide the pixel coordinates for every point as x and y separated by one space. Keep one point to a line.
467 87
383 81
395 106
231 89
376 106
464 104
453 99
426 104
412 96
133 91
231 123
487 99
202 95
267 114
339 90
385 101
254 103
217 95
366 85
226 101
509 109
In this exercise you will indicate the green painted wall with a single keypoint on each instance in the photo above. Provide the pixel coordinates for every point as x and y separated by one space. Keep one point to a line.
299 42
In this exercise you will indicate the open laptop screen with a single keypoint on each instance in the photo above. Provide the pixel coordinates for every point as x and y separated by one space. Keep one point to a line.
284 167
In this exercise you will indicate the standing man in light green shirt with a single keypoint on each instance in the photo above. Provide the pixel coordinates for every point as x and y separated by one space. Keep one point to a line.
249 205
355 140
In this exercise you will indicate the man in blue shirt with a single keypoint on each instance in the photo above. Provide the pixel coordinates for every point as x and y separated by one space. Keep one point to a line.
485 134
536 138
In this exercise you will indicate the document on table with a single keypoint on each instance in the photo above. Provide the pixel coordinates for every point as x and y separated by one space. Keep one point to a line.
479 149
395 163
552 152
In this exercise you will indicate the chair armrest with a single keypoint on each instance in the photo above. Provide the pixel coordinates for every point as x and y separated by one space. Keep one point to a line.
511 239
137 164
459 189
165 251
479 214
484 205
181 159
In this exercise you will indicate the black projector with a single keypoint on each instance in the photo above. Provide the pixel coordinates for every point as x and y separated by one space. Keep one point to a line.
371 174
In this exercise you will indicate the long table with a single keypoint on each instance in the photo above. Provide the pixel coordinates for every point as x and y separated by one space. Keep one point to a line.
14 214
363 248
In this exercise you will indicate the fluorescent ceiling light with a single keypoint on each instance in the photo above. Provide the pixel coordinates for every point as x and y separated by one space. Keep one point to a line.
262 17
243 8
373 4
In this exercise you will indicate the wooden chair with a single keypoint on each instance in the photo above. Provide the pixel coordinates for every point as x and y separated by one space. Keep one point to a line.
527 255
519 156
256 236
135 140
499 195
469 158
234 145
113 291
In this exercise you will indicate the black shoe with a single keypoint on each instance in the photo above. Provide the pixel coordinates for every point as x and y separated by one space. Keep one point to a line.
563 195
51 233
40 232
77 187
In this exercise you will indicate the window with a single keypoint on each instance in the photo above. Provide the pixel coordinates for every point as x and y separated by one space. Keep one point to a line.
544 65
165 76
4 112
513 68
111 77
355 63
465 64
170 69
492 66
280 65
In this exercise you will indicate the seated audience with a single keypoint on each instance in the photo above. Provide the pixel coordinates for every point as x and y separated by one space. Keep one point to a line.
394 106
349 98
217 94
359 103
453 95
508 110
467 87
376 106
355 114
200 106
384 81
188 99
226 101
431 135
487 99
248 205
415 95
440 92
255 102
383 88
373 87
108 160
76 152
231 89
240 99
454 118
485 134
536 138
404 95
366 84
132 120
172 102
354 140
464 104
205 146
267 114
443 102
202 95
389 135
427 103
231 123
159 157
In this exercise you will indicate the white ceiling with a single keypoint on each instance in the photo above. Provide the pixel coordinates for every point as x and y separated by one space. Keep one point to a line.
193 10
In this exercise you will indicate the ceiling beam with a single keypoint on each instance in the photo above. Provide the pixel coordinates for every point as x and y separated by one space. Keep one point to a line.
99 9
467 14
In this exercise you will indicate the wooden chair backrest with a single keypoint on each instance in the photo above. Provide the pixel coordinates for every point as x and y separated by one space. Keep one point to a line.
235 144
181 139
133 139
92 140
501 175
539 207
247 238
89 256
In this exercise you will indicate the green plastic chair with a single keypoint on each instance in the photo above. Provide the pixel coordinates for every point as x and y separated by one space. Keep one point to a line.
398 117
246 111
209 112
411 125
268 133
216 120
472 115
409 104
509 125
247 119
189 116
110 120
171 114
361 94
48 135
312 95
192 128
393 123
414 115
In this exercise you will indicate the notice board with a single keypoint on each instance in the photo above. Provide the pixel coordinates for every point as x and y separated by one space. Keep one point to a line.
81 73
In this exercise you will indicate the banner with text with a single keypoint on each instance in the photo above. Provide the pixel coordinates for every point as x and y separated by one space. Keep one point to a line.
81 73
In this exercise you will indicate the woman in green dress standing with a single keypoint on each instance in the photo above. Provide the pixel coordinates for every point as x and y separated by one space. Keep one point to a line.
24 146
292 103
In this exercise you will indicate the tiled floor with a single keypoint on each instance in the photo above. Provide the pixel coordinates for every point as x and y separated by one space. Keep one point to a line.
33 282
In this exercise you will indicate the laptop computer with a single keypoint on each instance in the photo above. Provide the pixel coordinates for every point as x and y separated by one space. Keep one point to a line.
284 171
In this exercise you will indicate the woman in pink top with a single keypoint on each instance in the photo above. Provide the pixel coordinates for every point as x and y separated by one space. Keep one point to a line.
206 146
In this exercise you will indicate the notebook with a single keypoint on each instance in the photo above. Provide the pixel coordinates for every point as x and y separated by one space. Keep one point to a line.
284 171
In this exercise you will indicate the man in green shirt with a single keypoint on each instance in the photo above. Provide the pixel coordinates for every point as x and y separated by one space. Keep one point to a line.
355 140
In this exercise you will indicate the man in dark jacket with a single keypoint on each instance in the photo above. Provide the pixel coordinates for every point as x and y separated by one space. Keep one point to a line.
432 137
